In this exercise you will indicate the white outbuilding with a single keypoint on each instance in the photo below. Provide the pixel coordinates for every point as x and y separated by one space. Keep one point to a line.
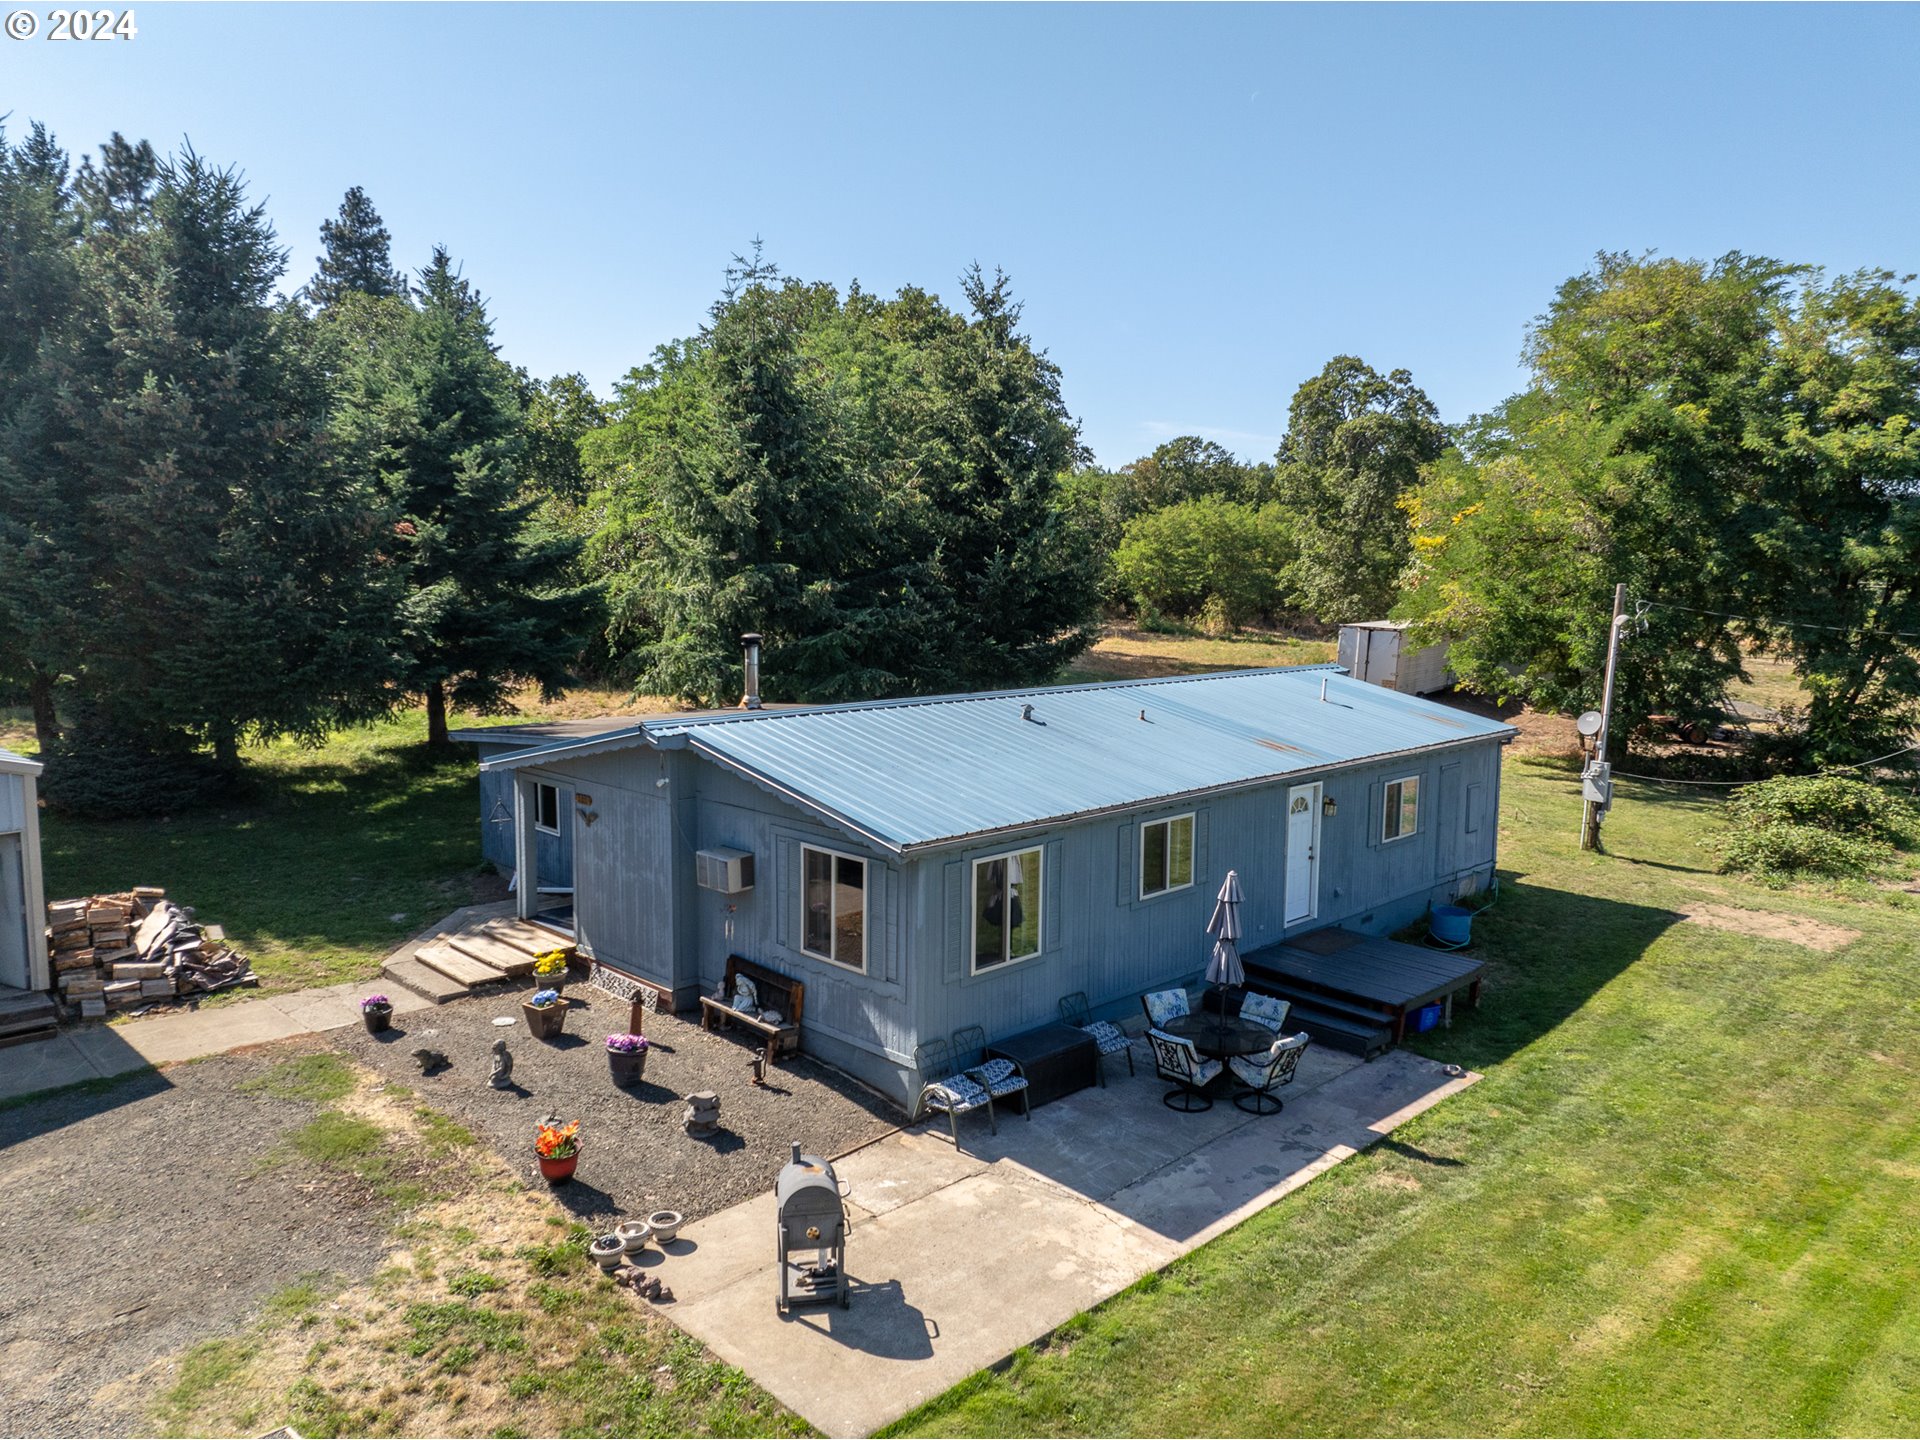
23 896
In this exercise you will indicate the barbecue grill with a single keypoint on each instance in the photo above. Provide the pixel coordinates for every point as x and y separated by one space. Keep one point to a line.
810 1217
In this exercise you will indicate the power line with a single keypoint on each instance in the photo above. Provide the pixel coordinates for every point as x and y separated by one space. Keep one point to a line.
1829 770
1783 624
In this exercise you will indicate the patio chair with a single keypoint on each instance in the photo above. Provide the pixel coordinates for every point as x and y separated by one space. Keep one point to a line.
1111 1039
954 1093
1164 1005
1001 1077
1266 1073
1265 1010
1178 1061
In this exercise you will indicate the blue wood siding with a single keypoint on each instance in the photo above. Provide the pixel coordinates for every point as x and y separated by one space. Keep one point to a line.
554 853
1100 937
13 803
637 906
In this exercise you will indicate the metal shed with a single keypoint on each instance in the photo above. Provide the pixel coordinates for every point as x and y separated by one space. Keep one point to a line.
1376 652
23 896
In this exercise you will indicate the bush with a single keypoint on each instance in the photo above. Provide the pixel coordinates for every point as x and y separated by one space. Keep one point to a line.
1826 825
1208 557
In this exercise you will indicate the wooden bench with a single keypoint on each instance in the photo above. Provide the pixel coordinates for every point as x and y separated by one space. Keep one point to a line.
777 992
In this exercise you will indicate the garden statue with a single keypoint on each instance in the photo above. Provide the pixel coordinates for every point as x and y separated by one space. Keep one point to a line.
430 1061
502 1077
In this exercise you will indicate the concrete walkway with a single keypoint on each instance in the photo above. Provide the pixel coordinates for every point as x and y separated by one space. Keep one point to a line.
91 1052
958 1257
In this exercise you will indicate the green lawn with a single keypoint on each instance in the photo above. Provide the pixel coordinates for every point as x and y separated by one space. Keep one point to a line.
1685 1199
308 870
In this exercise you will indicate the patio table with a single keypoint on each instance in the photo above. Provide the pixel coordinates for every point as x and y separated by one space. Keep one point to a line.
1217 1040
1056 1059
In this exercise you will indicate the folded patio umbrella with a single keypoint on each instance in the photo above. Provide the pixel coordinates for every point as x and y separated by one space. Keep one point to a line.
1224 968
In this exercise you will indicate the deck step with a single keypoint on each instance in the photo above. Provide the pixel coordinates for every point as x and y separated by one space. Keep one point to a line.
44 1031
1340 1032
423 980
1362 1012
438 955
490 949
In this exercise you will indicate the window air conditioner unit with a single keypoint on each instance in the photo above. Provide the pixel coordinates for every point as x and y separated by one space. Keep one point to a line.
728 871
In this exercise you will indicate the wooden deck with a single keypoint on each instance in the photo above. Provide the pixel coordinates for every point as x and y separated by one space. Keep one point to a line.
1359 989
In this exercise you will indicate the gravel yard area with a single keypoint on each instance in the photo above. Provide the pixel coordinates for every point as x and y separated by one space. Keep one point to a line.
635 1156
147 1214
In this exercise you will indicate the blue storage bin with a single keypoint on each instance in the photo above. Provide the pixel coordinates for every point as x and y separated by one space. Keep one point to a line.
1424 1019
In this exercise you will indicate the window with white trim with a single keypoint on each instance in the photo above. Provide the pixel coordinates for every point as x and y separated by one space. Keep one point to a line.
1402 816
546 808
1006 909
833 907
1166 855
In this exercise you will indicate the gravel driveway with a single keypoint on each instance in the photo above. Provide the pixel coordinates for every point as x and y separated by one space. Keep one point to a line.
635 1156
140 1220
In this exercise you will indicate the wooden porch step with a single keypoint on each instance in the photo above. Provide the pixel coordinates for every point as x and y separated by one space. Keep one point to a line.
525 935
423 980
491 949
1352 1008
441 956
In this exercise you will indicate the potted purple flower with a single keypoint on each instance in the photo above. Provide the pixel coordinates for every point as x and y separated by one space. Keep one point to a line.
626 1058
376 1013
546 1014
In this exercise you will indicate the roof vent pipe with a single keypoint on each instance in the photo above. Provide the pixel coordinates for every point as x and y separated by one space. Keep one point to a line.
751 700
1323 689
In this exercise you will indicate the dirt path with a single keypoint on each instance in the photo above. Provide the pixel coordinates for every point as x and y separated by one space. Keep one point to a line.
146 1215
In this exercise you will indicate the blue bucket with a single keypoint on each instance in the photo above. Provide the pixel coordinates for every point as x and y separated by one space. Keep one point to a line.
1452 924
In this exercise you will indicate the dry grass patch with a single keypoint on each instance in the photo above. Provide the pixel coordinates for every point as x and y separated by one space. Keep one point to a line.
1770 925
485 1317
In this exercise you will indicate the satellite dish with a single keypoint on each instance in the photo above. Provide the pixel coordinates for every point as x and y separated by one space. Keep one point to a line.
1588 724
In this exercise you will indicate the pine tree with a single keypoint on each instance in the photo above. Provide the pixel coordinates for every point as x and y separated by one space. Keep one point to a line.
356 258
207 576
433 413
41 590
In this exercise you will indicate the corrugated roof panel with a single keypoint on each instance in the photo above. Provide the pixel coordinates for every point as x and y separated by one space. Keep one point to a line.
916 772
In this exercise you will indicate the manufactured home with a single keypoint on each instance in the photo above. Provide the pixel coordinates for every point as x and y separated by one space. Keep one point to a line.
925 864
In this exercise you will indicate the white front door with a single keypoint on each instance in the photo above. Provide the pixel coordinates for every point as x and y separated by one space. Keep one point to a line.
1303 853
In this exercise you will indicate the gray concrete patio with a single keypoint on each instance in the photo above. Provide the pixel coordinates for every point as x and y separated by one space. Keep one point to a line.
958 1257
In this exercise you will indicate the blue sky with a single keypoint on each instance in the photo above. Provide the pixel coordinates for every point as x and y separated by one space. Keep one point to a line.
1199 206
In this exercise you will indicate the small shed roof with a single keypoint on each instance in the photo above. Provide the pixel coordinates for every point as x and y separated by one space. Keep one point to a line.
912 773
12 764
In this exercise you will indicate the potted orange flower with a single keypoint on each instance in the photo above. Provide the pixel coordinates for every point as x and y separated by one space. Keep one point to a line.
557 1148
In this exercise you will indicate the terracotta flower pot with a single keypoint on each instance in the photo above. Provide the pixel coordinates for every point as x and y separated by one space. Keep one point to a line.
558 1169
376 1017
545 1022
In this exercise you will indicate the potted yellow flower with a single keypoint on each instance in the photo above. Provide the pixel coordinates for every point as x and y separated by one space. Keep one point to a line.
550 969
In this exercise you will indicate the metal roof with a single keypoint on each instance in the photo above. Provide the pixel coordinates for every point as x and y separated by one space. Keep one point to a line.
12 764
918 772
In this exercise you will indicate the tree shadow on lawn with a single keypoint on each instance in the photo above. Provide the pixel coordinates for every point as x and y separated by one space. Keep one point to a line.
316 853
1548 951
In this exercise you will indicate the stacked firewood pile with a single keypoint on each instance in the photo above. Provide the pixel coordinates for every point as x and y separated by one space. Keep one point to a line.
116 952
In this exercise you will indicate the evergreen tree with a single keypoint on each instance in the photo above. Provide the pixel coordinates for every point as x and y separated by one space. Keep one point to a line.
355 258
873 485
433 413
42 589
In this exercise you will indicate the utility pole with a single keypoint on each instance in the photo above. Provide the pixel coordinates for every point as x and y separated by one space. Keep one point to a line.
1596 782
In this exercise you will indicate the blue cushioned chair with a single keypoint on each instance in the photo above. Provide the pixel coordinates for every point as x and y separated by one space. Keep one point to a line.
1265 1010
1178 1061
953 1092
1001 1076
1265 1073
1111 1039
1164 1005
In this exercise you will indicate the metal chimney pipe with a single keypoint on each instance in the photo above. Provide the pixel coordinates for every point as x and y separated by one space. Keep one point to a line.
751 700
